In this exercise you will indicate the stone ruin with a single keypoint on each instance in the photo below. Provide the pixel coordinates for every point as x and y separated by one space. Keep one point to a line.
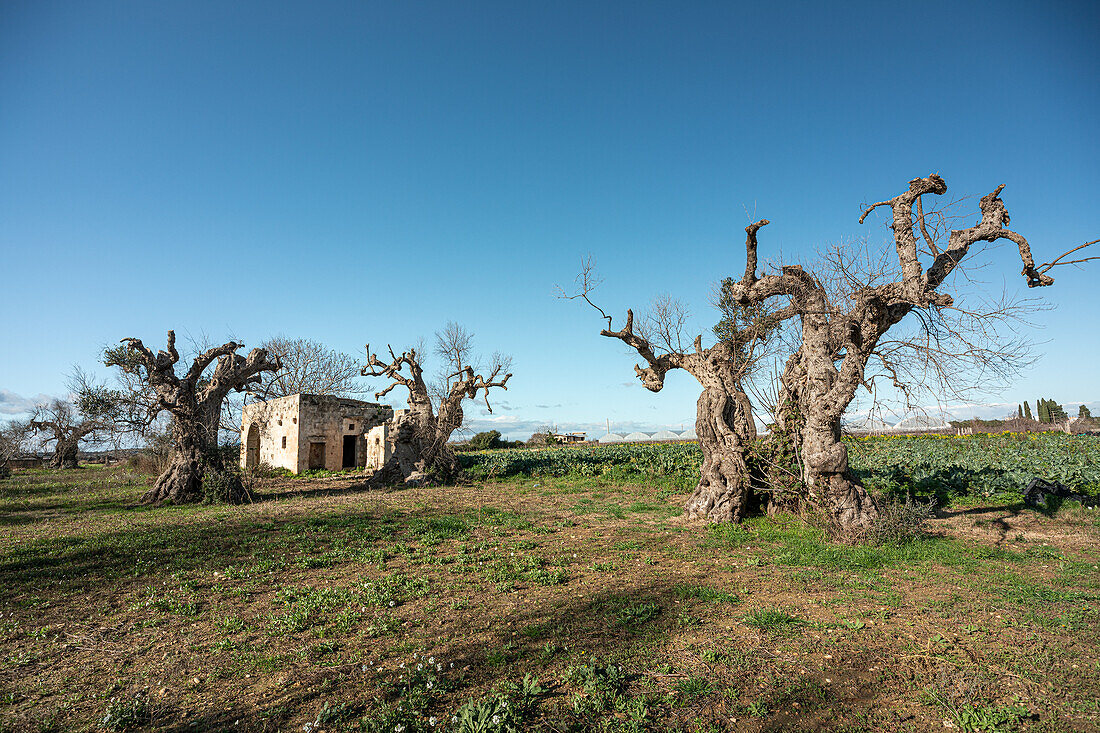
305 432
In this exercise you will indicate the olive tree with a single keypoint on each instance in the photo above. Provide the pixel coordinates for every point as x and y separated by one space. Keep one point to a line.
724 418
194 402
88 414
420 435
838 339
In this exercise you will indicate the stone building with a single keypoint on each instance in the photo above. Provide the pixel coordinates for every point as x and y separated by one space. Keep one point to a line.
304 432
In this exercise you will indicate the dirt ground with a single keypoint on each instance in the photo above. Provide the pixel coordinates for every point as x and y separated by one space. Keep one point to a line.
311 609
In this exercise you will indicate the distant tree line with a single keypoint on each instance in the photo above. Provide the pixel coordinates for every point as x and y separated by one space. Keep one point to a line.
1049 412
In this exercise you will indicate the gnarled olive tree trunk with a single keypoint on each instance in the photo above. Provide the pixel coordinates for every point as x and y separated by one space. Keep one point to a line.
726 431
65 454
723 422
840 334
824 396
195 403
181 481
420 435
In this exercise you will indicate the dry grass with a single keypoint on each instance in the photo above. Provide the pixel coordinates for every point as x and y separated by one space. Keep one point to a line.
278 614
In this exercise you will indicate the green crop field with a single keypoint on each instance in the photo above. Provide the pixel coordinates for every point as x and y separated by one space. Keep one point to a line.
557 591
946 467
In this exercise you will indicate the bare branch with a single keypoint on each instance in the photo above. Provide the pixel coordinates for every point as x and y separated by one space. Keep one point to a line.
1056 262
586 282
652 376
750 252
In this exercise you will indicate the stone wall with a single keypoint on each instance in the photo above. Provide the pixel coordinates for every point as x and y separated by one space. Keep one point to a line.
269 433
379 449
304 432
327 421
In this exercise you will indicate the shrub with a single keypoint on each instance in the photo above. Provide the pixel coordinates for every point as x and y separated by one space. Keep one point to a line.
124 715
486 441
900 522
148 462
224 487
265 470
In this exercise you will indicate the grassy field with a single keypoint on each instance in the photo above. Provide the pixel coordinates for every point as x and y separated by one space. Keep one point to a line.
530 603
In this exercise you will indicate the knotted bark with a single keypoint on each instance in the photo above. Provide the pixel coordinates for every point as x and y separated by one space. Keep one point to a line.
822 377
723 423
419 436
195 403
725 429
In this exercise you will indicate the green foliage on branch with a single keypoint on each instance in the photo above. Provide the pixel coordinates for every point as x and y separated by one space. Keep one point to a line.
1050 411
486 441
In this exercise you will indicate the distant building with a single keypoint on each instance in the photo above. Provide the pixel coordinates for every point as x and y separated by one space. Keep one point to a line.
922 422
867 423
639 437
570 437
305 432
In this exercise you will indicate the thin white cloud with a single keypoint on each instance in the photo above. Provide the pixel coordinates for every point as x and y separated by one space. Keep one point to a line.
514 427
958 411
12 403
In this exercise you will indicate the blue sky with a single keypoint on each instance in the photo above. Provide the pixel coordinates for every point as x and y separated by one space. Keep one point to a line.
354 172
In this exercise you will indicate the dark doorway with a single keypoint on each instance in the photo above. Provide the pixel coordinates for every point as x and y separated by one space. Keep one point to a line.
349 451
316 455
252 447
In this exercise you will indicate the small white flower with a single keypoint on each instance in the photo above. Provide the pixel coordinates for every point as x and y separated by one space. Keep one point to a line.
429 685
496 719
431 660
392 604
432 721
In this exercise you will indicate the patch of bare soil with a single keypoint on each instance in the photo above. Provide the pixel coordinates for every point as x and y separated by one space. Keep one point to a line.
1074 529
264 617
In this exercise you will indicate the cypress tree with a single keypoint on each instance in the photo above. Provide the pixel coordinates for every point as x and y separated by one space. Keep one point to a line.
1027 411
1057 412
1083 413
1019 410
1043 410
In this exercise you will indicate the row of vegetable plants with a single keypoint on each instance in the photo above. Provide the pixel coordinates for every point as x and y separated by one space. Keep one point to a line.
947 467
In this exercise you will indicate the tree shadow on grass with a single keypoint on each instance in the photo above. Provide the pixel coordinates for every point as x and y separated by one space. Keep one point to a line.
997 516
71 562
1013 510
626 625
310 491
